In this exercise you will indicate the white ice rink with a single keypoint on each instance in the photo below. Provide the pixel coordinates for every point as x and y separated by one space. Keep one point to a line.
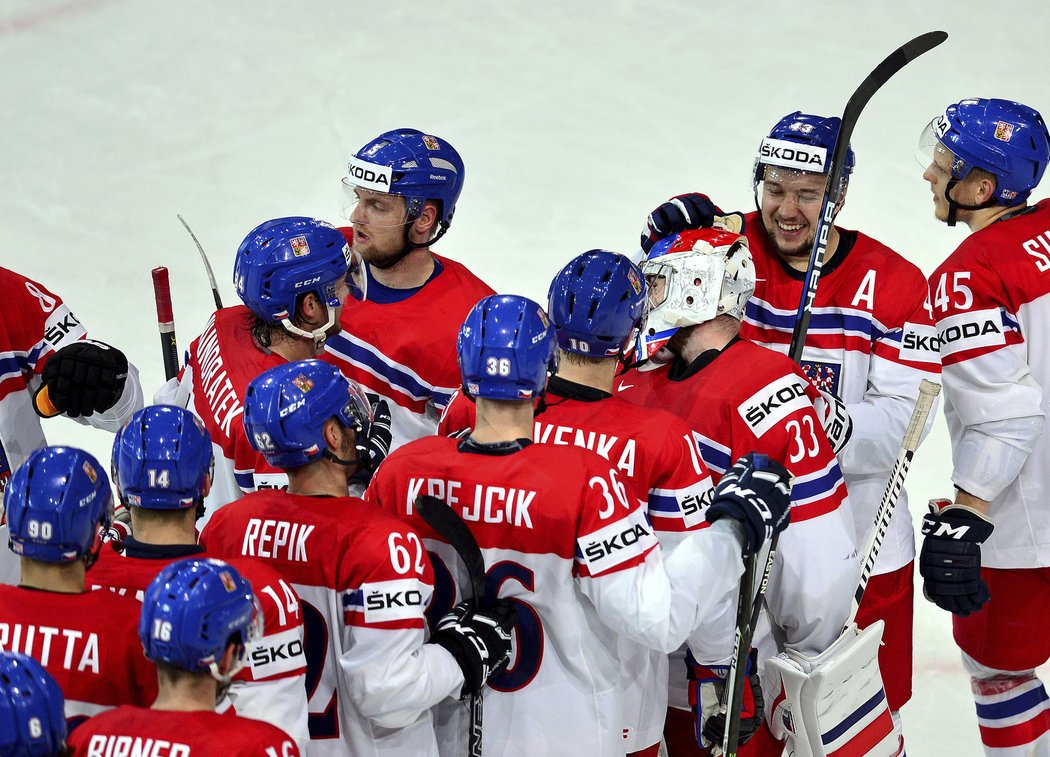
574 119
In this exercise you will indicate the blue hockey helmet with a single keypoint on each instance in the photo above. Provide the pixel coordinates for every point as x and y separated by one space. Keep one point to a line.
1005 138
802 142
55 502
193 610
596 303
162 459
32 721
505 348
285 410
413 165
282 259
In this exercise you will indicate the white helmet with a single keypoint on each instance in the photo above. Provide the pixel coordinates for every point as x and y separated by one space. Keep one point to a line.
694 276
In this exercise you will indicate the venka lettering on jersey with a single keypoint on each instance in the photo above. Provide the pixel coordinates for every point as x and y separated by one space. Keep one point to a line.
622 453
780 152
772 404
617 543
478 503
976 329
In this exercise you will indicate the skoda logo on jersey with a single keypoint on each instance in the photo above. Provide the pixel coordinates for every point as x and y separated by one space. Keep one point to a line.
370 175
780 152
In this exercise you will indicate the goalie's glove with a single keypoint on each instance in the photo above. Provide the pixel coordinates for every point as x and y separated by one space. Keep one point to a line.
834 417
82 378
950 560
687 211
706 687
756 492
479 639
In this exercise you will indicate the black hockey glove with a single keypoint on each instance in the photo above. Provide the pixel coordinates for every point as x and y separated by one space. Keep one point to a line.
84 377
378 443
950 560
681 212
478 639
756 491
706 686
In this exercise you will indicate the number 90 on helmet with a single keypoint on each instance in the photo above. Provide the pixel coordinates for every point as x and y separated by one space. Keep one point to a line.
55 502
162 459
32 718
505 348
693 277
596 303
193 610
286 408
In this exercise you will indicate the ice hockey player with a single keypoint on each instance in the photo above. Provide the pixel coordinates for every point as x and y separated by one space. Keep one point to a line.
596 305
32 721
55 503
986 553
736 396
566 542
290 274
870 343
401 189
49 367
362 575
162 462
198 619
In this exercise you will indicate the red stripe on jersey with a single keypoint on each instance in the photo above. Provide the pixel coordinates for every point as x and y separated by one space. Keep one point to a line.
863 742
12 384
1018 734
1011 337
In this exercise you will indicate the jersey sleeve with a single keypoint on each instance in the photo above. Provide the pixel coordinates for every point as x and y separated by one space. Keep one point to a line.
640 592
681 486
394 678
905 351
993 403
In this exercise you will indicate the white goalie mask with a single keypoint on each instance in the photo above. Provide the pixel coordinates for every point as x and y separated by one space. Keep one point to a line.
693 277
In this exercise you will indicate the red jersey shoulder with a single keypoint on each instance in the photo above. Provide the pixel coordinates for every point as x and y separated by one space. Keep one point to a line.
126 576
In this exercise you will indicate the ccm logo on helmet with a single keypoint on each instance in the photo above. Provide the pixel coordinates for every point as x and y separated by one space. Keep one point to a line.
780 152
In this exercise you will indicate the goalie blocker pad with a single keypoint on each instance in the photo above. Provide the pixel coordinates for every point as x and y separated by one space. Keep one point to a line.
834 704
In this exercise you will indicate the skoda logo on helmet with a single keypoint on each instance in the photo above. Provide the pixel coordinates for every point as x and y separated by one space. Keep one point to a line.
370 175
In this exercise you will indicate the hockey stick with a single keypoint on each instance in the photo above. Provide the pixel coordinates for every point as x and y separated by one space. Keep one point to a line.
169 349
928 391
874 81
207 265
450 527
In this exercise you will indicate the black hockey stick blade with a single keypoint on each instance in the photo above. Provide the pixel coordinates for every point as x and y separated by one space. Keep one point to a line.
450 527
874 81
207 264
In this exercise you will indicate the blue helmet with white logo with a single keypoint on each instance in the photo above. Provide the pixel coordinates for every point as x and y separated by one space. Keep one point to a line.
1005 138
803 142
413 165
162 459
596 303
286 408
193 610
32 721
55 502
282 259
505 348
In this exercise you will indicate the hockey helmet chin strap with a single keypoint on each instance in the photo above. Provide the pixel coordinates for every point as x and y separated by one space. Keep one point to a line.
408 246
318 335
954 207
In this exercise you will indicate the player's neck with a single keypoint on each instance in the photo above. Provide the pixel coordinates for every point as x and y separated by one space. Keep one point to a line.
322 478
985 217
502 420
190 693
408 273
65 578
293 348
597 375
165 528
713 335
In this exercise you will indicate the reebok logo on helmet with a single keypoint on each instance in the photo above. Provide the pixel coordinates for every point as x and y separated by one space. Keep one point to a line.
370 175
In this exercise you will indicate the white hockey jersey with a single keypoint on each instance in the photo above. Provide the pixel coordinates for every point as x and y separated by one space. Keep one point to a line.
35 324
991 302
870 342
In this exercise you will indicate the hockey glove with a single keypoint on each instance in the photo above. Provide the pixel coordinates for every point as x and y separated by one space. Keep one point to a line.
950 560
373 448
83 378
119 529
834 417
756 491
479 639
681 212
706 687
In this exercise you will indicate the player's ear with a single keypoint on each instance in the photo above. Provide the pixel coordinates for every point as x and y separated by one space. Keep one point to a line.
423 226
229 657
